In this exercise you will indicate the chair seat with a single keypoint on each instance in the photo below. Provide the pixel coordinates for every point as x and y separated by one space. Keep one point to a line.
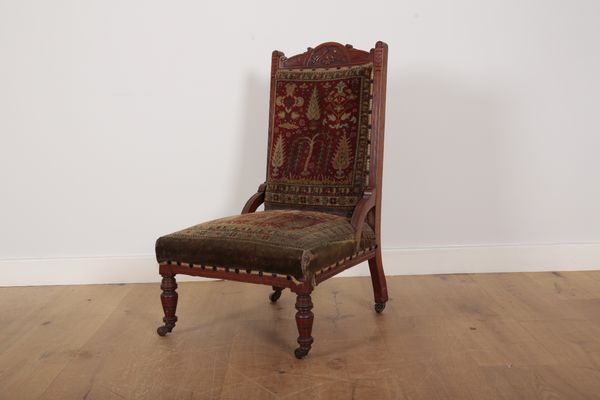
293 243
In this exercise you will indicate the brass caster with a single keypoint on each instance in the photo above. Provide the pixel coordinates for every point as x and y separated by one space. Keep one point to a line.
379 307
163 330
275 296
301 352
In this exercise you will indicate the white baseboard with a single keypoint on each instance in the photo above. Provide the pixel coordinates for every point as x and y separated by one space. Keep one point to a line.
423 261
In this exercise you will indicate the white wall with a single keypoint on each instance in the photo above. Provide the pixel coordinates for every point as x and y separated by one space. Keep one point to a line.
124 120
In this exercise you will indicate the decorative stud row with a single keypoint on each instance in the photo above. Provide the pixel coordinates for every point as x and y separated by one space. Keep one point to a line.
248 271
325 68
251 271
342 261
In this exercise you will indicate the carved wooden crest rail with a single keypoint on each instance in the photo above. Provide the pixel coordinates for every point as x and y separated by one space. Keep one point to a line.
325 55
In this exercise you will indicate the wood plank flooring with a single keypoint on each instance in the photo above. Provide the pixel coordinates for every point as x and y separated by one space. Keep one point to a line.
488 336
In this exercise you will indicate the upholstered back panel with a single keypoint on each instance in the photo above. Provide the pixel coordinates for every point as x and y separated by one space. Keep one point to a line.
319 148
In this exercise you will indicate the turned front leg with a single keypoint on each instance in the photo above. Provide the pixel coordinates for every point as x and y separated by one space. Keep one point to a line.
304 320
168 299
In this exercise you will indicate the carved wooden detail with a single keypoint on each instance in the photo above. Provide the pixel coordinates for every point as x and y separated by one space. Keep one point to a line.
329 54
326 56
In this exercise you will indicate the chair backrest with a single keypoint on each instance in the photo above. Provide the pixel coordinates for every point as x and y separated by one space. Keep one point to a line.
326 122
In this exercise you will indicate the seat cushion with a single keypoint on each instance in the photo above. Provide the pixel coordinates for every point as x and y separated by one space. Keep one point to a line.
293 243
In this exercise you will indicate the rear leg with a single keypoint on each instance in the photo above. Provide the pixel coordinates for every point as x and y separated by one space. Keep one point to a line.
276 294
379 283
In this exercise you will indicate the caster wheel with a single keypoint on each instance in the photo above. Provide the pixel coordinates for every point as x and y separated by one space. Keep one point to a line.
163 330
300 353
379 307
275 296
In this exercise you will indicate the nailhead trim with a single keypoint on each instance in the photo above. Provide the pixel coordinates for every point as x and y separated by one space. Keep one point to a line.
274 274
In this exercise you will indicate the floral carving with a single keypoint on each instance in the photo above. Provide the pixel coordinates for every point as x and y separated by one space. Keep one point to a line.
327 56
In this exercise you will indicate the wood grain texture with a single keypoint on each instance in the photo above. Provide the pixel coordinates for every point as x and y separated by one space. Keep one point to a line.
489 336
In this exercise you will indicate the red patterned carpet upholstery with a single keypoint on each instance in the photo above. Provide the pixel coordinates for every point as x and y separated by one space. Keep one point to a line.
285 242
318 158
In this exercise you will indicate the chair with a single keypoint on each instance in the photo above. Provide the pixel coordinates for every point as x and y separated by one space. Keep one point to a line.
322 195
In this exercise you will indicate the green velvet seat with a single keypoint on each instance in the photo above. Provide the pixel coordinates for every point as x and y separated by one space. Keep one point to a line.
293 243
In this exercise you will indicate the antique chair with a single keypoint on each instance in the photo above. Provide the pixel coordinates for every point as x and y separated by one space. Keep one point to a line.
322 195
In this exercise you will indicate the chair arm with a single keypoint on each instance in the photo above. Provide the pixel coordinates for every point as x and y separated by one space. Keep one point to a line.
360 214
256 200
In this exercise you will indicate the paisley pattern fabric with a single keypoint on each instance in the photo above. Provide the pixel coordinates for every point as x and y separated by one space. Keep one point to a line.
287 242
318 155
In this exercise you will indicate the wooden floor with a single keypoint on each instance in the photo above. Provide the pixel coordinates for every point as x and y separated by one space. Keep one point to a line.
489 336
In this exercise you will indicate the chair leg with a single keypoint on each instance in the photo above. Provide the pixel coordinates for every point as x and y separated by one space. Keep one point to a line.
168 299
379 283
304 321
276 294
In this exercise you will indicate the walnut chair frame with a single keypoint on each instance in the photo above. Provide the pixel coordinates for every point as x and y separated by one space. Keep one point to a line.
367 210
